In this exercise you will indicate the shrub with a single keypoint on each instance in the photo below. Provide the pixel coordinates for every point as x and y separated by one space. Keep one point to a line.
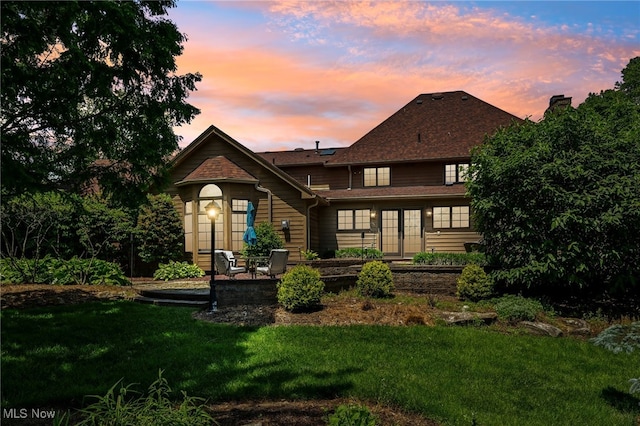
352 415
474 284
358 253
119 408
62 272
176 270
160 232
268 240
300 288
309 255
375 280
427 258
517 308
618 338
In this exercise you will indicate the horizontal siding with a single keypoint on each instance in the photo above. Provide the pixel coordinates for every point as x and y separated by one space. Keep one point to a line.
450 241
352 239
417 174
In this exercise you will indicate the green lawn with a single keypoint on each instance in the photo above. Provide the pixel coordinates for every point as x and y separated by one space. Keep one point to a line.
56 355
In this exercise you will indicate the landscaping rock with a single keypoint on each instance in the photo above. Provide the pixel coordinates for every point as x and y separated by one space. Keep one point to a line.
576 326
466 318
541 328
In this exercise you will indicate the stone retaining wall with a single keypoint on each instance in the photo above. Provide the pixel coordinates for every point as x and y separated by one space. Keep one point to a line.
418 279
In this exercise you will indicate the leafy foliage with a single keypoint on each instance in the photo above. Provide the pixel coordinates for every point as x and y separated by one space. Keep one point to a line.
62 225
268 239
352 415
358 253
517 308
300 288
177 270
375 280
474 284
90 91
309 255
619 338
159 230
118 407
428 258
557 201
49 270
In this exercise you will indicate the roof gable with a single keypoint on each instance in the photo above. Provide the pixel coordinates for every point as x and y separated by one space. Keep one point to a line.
430 127
218 168
219 165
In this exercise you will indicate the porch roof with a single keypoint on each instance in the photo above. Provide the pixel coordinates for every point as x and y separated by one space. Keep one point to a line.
218 169
410 192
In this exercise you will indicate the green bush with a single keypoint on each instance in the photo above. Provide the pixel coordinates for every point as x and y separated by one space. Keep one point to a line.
461 259
517 308
619 338
156 408
375 280
177 270
50 270
309 255
474 284
268 239
352 415
358 253
159 230
300 288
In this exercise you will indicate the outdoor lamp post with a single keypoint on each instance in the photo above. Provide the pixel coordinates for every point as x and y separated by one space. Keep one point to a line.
213 210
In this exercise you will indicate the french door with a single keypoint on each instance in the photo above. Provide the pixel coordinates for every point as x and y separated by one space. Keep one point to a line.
401 232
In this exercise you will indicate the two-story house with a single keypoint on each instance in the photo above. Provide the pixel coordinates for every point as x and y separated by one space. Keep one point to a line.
399 188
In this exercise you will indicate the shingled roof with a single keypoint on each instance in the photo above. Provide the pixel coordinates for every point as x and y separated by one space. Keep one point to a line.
434 126
300 156
218 168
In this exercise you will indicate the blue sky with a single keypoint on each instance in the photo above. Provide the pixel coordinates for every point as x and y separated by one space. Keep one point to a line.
283 74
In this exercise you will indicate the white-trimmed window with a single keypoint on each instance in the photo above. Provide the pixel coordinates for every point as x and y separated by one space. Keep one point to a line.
377 176
349 220
238 222
451 217
188 225
207 194
455 173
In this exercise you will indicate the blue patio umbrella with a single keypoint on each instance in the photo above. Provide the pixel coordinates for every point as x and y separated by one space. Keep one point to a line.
250 236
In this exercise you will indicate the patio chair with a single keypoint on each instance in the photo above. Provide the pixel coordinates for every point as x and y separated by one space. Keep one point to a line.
224 266
230 256
277 263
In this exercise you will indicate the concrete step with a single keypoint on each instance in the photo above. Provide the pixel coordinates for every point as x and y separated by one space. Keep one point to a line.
191 297
172 302
177 293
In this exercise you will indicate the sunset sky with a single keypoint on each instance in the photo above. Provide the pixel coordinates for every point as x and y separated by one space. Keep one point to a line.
282 74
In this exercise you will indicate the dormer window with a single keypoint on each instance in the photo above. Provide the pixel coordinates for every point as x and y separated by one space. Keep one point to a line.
377 176
455 173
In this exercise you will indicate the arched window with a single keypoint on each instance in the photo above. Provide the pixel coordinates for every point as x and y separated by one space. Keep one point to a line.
208 193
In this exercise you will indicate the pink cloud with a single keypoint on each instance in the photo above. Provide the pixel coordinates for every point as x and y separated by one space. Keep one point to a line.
331 71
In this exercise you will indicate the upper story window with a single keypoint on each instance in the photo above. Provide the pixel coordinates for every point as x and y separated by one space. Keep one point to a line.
377 176
455 173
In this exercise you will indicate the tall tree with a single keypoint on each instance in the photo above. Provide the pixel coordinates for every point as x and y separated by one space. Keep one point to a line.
90 92
558 202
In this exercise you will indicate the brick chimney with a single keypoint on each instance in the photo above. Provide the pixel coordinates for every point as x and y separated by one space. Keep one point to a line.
558 101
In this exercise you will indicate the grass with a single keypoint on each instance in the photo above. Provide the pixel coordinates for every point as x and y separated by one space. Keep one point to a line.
56 355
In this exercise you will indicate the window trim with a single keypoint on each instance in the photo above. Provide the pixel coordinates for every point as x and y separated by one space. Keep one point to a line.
377 176
365 220
458 178
450 217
